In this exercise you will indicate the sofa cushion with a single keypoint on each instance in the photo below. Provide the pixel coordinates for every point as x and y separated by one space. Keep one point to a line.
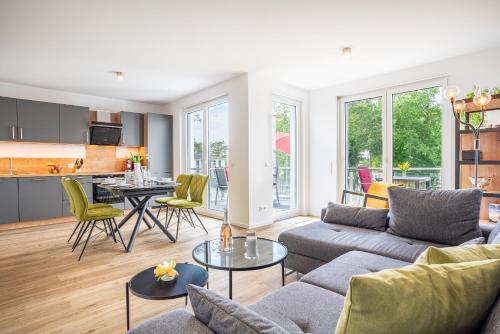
492 323
448 217
375 219
226 316
335 275
494 233
432 299
313 309
177 321
325 242
459 254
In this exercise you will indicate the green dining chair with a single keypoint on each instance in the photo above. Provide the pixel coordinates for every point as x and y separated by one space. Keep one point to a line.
181 192
72 205
90 217
185 207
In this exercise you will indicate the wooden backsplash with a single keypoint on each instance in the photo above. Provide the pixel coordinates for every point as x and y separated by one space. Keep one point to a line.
98 159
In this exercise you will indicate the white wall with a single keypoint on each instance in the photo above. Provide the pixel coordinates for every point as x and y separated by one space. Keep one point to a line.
63 97
463 71
236 92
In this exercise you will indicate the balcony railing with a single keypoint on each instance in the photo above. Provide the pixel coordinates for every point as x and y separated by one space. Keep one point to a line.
413 178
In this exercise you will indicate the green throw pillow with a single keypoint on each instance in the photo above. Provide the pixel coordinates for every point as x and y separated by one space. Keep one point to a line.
432 299
459 254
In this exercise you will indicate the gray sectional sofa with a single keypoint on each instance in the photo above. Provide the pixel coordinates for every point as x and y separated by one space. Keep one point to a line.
328 254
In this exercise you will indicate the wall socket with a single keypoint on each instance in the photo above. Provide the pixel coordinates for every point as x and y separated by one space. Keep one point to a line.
262 208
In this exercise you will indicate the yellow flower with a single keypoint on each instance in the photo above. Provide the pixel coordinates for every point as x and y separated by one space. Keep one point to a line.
165 268
404 166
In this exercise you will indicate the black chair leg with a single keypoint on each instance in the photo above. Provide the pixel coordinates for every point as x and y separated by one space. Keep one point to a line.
74 230
168 223
119 234
83 229
110 227
159 210
87 241
199 220
186 217
178 223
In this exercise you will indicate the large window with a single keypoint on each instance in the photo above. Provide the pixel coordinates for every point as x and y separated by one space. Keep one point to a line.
207 143
284 156
393 136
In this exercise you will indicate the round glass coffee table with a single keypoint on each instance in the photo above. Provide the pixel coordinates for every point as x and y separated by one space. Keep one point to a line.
269 253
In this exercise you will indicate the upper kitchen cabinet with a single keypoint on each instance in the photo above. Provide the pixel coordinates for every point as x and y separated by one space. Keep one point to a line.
159 144
74 124
8 119
37 121
133 129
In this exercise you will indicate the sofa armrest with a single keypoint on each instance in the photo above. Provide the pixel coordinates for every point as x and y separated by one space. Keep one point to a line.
174 322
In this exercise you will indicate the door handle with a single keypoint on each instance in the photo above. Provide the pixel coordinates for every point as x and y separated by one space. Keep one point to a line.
87 140
13 128
37 179
20 133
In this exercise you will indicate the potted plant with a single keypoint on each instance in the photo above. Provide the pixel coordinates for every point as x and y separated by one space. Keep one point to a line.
136 160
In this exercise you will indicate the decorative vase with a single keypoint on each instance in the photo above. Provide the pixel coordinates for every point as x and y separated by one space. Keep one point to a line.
137 173
403 173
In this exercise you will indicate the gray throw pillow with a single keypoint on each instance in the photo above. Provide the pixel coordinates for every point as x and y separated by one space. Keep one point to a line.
448 217
477 241
224 316
375 219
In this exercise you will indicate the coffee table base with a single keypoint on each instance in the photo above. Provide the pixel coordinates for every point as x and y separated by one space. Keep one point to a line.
231 278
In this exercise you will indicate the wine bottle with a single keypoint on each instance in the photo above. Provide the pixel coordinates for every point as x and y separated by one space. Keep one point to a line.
225 234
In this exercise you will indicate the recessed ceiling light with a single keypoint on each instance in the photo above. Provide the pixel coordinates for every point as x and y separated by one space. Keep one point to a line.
119 75
346 52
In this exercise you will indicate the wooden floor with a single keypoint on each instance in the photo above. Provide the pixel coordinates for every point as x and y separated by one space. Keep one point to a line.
44 289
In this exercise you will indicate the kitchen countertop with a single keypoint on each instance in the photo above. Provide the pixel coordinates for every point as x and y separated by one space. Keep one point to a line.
59 174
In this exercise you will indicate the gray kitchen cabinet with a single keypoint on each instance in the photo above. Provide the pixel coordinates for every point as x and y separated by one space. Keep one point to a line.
133 129
159 143
8 119
37 121
74 124
40 198
86 182
9 201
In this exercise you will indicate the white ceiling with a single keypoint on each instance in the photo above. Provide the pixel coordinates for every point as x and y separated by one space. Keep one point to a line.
168 49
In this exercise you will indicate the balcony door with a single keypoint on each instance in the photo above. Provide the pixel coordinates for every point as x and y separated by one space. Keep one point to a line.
207 144
393 136
285 114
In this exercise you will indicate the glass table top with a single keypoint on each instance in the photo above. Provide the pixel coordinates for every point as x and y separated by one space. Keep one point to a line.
269 253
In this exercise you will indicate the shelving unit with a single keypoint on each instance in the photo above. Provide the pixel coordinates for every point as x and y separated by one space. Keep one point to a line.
489 165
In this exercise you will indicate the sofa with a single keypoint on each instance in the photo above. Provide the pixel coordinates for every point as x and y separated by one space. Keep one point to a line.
328 254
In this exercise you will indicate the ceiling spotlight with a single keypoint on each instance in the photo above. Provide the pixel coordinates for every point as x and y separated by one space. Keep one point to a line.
119 75
346 52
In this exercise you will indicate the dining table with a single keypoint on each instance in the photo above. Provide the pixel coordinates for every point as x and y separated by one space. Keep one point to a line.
139 195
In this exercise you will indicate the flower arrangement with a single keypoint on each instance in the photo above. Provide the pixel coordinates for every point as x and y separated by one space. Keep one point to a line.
404 166
166 271
135 158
